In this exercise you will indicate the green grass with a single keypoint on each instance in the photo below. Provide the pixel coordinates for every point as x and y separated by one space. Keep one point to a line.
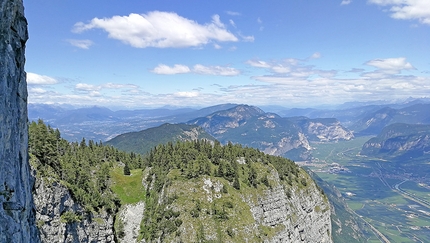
129 189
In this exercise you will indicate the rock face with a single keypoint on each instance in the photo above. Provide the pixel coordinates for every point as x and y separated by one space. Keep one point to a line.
17 222
250 126
60 219
397 140
304 217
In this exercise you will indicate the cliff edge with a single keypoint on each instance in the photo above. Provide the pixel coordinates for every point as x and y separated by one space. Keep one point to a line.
17 218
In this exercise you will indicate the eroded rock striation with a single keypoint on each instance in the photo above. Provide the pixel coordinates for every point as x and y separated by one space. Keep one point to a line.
302 214
17 222
60 219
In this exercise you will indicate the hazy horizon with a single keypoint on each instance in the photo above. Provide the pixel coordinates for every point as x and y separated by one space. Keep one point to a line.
191 53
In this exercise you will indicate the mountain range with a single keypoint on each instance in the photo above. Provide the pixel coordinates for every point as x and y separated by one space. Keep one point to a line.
284 135
399 140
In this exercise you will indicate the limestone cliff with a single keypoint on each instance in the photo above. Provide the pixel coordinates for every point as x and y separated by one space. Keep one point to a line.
16 207
60 219
209 208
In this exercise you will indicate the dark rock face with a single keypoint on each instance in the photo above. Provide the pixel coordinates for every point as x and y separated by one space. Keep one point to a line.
17 218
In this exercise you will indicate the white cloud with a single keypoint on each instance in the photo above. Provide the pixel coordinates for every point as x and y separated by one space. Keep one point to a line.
345 2
86 87
186 94
176 69
35 90
292 67
83 44
197 69
247 38
259 64
281 69
216 46
36 79
232 23
159 29
394 64
316 55
215 70
407 9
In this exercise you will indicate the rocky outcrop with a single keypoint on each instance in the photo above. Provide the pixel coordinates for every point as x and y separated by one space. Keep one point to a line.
410 140
16 207
60 219
304 214
322 129
131 217
250 126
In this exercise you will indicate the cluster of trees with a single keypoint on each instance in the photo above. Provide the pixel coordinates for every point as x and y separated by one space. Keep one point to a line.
83 167
193 159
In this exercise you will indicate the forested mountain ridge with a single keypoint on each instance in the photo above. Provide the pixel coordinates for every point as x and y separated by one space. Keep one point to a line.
141 142
192 191
72 194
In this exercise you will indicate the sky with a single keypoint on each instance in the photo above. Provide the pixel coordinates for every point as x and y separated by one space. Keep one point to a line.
192 53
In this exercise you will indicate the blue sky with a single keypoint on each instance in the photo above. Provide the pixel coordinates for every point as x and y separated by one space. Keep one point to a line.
141 54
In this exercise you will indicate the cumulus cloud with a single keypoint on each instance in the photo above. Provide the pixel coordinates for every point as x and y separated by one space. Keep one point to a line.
176 69
37 79
187 94
197 69
407 9
160 30
391 64
83 44
387 67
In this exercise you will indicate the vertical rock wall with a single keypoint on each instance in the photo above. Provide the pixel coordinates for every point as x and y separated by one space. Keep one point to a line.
17 223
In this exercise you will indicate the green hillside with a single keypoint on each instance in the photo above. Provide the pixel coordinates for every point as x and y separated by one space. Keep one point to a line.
141 142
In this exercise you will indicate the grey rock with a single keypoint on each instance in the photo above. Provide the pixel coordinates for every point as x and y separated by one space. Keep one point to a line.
305 214
53 200
17 221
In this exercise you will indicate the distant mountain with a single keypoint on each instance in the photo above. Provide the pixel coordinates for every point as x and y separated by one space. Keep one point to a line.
141 142
374 122
251 126
399 140
346 116
186 116
100 123
288 137
322 129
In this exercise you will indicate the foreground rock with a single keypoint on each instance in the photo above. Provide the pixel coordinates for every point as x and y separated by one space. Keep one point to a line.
61 219
16 207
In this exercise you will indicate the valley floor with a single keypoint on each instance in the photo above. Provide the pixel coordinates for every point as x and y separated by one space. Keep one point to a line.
392 197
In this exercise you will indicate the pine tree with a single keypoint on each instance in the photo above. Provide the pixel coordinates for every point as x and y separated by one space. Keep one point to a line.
126 170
